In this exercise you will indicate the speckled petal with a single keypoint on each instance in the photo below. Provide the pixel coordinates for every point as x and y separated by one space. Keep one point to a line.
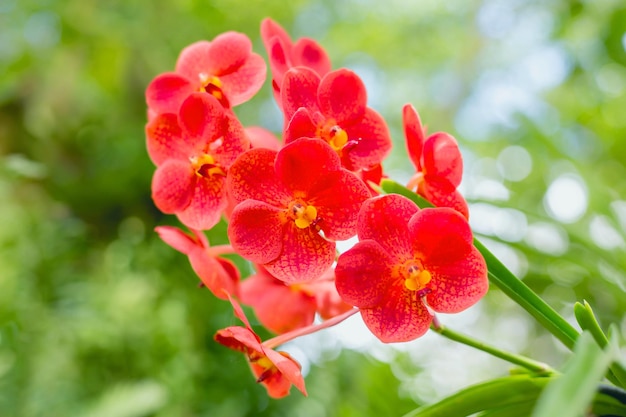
256 231
252 176
373 141
441 157
167 91
165 139
301 163
299 89
306 256
459 285
384 219
401 318
440 235
363 274
338 201
342 96
172 186
202 117
206 205
414 135
241 85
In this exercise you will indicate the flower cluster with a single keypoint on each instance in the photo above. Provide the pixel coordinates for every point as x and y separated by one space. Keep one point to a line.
288 202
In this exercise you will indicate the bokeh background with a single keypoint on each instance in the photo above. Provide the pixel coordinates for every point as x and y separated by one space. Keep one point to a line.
99 318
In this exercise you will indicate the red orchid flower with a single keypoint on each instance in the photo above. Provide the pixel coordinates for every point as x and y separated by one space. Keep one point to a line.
285 200
284 54
438 164
277 371
282 308
408 264
334 108
225 67
219 275
193 150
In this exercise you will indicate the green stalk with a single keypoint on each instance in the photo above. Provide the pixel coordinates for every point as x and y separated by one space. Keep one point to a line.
527 363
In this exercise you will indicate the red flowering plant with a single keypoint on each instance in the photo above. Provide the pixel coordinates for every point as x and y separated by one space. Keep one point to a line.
287 204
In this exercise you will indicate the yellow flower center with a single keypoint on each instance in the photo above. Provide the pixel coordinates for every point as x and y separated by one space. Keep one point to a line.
416 278
303 215
333 134
205 166
212 85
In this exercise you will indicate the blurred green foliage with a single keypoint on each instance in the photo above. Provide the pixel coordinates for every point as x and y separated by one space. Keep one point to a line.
99 318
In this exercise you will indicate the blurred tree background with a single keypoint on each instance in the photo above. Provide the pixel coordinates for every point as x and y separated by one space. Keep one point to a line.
98 317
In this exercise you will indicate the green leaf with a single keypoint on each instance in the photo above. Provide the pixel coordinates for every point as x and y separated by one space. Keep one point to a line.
510 391
587 321
569 394
507 281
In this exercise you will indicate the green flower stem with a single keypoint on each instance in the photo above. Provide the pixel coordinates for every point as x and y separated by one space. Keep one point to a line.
527 363
286 337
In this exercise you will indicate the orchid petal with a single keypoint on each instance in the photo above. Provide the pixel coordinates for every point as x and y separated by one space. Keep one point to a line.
458 285
299 89
173 185
206 205
440 235
401 318
342 96
252 176
363 274
300 163
384 219
306 255
256 231
167 91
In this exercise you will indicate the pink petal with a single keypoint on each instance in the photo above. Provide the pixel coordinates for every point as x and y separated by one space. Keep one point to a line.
342 96
441 193
256 231
338 202
401 318
260 137
305 256
384 219
363 274
458 285
211 271
373 141
271 29
173 186
302 163
228 52
202 117
165 139
167 91
277 306
442 158
414 134
233 142
241 85
241 339
177 239
299 89
206 205
194 60
252 176
301 125
288 367
308 53
279 58
440 235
